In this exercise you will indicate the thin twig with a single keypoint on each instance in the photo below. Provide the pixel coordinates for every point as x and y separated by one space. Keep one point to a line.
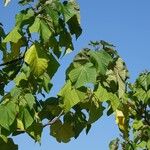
12 61
53 120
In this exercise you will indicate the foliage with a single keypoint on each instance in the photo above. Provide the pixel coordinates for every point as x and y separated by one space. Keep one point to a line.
43 34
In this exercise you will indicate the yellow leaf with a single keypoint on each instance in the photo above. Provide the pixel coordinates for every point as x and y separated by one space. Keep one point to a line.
120 119
20 125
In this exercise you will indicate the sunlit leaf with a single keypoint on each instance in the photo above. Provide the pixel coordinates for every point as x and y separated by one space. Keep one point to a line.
37 59
11 38
83 74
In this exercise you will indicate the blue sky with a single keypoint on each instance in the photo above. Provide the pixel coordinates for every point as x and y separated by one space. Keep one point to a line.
126 24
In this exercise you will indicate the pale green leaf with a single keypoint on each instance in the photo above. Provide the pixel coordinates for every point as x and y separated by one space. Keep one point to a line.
24 17
69 96
37 59
29 98
26 117
11 38
102 94
8 113
101 59
40 26
119 74
82 75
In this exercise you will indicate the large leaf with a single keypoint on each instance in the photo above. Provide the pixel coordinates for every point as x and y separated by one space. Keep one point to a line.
95 112
11 38
69 96
24 17
37 59
62 132
8 145
30 100
101 59
8 113
118 74
82 75
144 81
102 94
35 131
26 117
74 26
41 26
70 8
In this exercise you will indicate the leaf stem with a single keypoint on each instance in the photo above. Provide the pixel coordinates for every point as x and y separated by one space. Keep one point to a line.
53 120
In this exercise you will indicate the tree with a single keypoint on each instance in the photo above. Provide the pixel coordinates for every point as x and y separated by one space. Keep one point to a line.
96 76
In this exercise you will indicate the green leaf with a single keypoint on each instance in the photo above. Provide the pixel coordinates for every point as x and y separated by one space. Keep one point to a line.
95 112
144 81
137 124
100 59
74 26
46 82
77 120
114 144
11 38
69 96
35 131
118 74
141 95
82 75
102 94
24 17
65 40
62 132
9 145
148 144
8 113
41 26
70 8
53 66
26 117
37 59
29 98
19 78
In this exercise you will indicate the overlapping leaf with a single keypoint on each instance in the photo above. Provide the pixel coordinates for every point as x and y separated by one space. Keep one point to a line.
37 59
82 75
118 75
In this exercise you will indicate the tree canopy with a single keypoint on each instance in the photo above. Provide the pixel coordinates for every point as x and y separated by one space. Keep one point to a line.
43 33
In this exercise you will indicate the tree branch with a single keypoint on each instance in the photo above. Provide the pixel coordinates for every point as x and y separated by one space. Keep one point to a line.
53 120
12 61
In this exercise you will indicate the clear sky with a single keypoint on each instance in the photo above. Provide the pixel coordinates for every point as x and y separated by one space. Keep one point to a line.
126 24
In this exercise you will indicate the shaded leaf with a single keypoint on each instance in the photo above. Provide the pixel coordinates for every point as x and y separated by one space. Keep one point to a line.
9 145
